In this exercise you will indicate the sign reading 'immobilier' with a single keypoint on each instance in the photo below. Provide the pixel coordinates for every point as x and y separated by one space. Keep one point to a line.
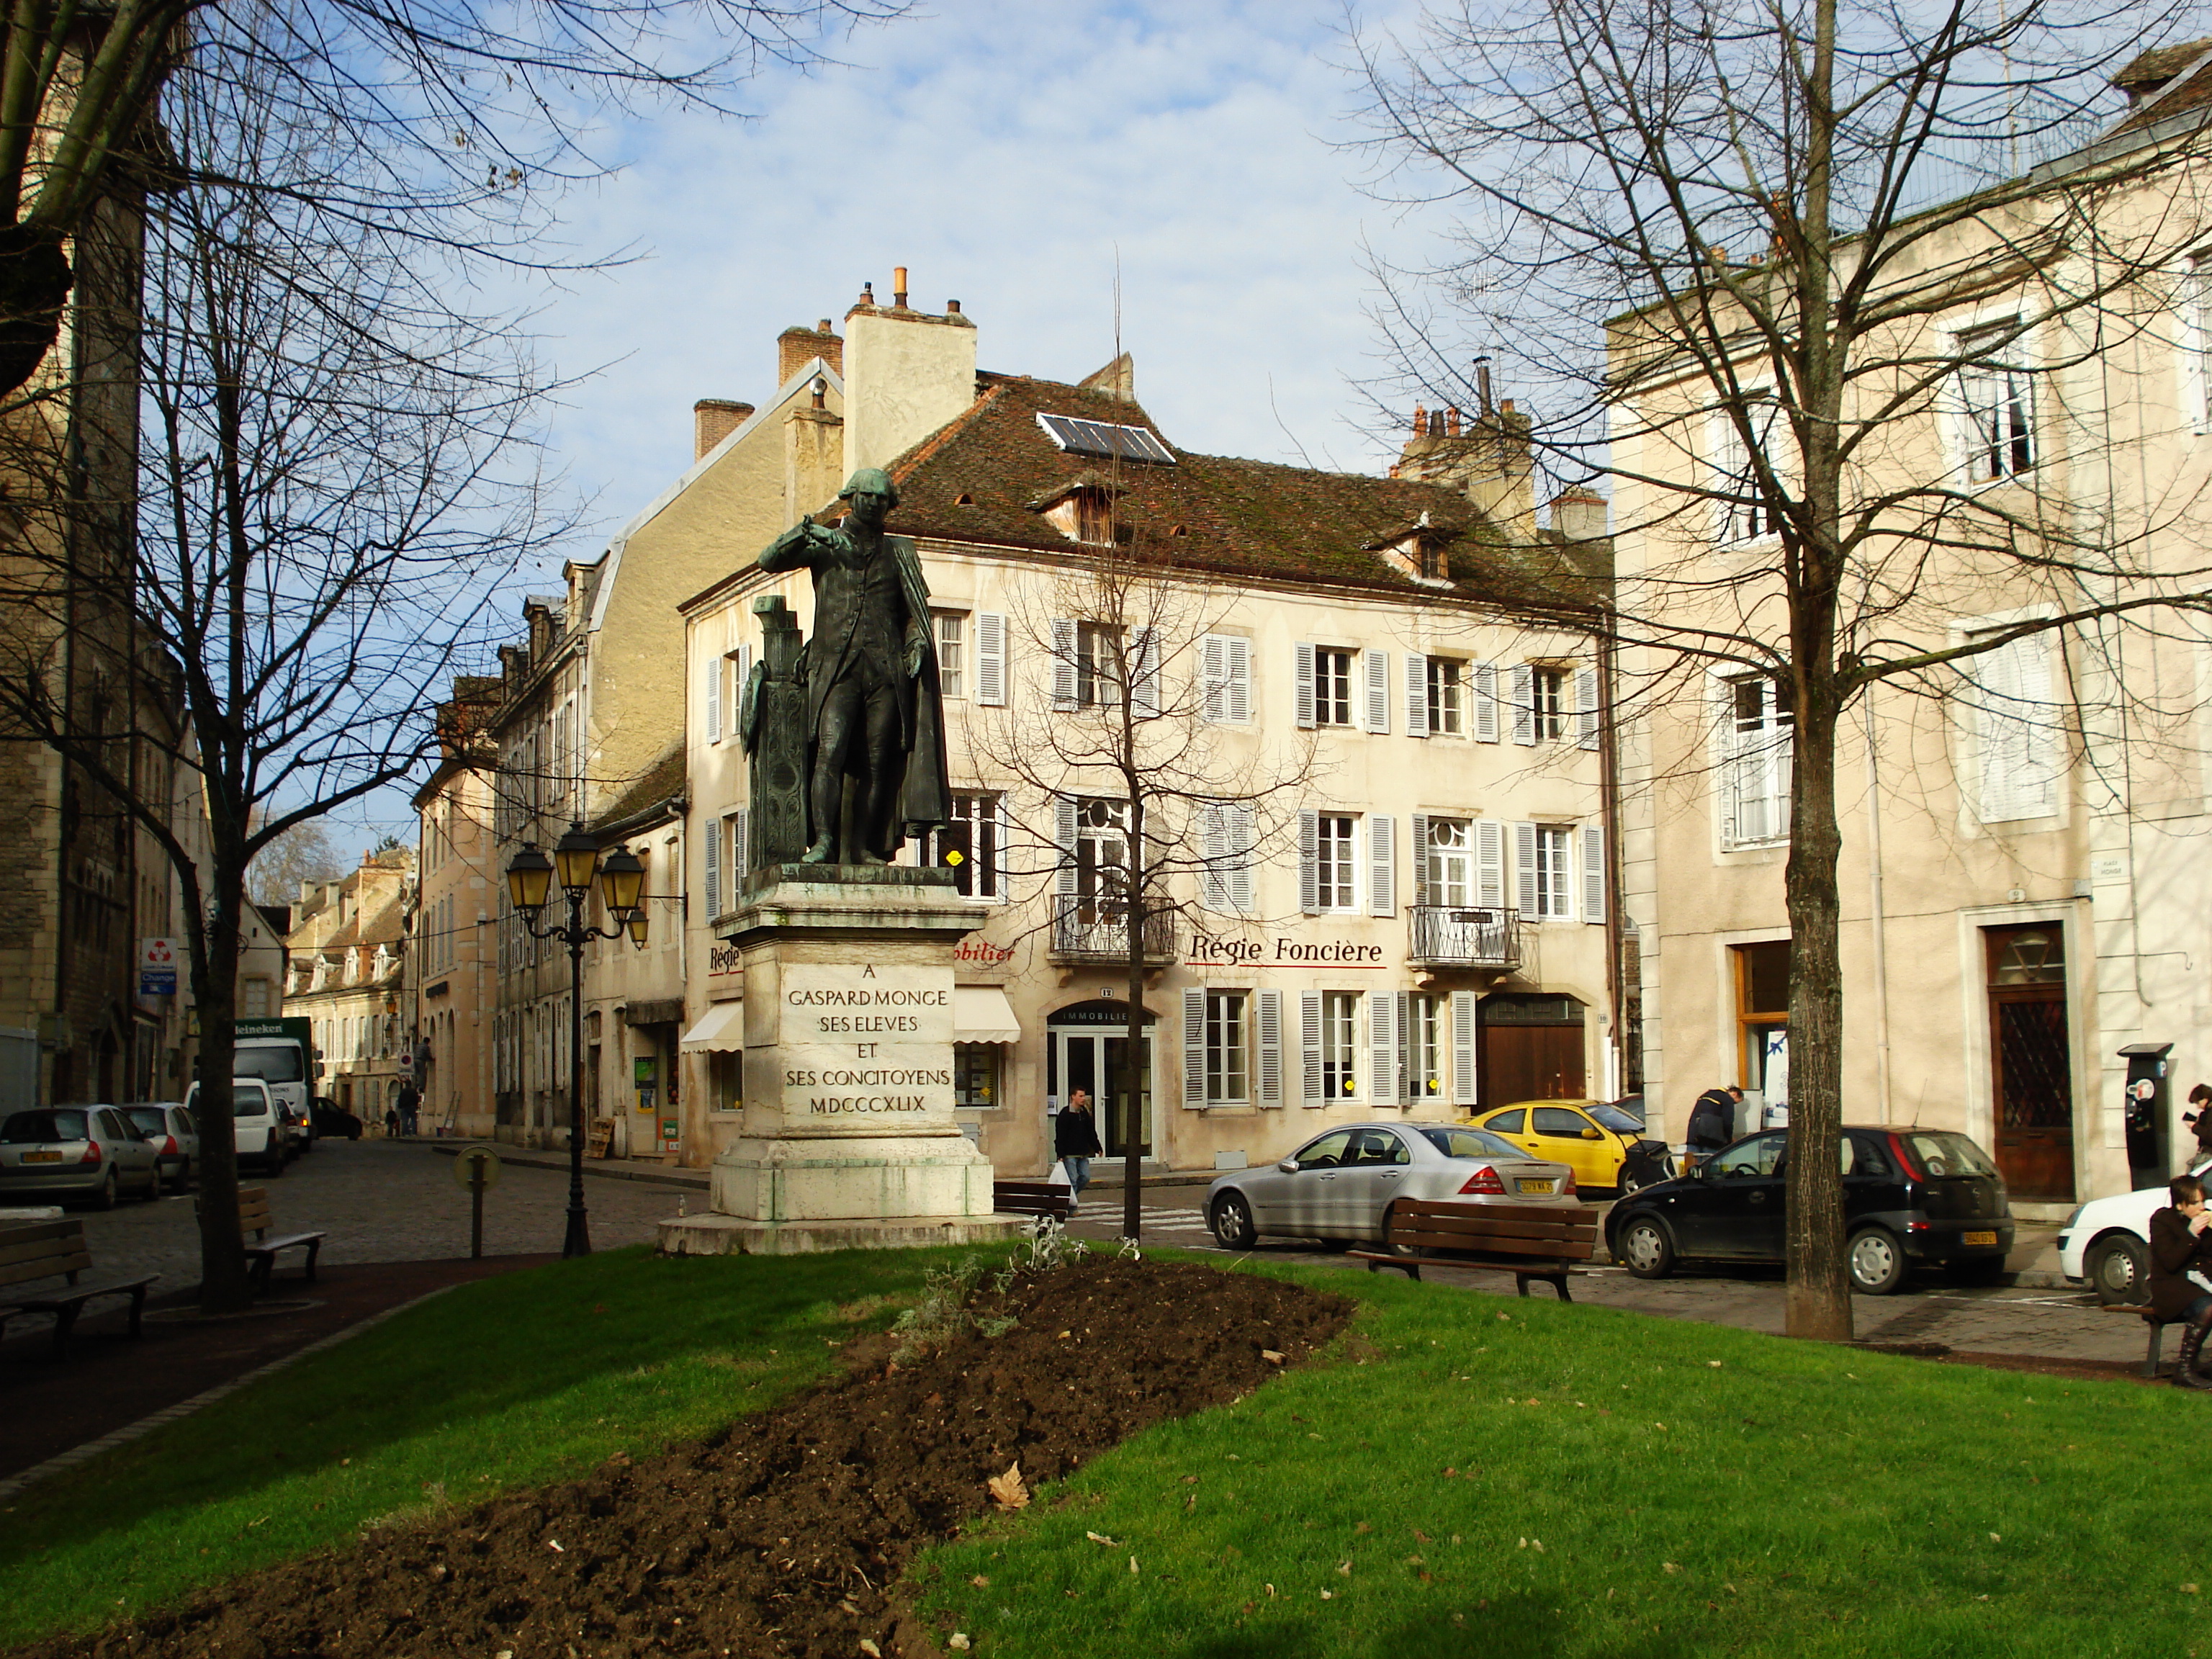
867 1044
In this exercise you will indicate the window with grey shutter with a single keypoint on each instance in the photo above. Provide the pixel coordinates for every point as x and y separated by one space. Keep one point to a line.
991 659
1309 863
1420 850
1586 709
1194 1047
1212 850
1417 694
1267 1034
1407 1057
1238 823
714 854
1593 873
715 667
1462 1049
1524 867
1240 680
1309 1049
1489 863
1145 673
1382 1087
1382 865
1063 829
1378 670
1522 695
1063 664
741 848
1214 668
1303 654
1484 677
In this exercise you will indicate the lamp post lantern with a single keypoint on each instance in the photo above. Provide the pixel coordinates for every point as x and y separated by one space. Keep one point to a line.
530 878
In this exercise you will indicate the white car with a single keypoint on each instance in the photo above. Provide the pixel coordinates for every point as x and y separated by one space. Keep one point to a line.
2106 1241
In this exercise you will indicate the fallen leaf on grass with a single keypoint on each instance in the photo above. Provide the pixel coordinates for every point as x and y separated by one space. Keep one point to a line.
1132 1566
1008 1491
1672 1566
2189 1590
1994 1539
1271 1356
959 1643
1101 1538
1329 1595
870 1648
1344 1569
981 1580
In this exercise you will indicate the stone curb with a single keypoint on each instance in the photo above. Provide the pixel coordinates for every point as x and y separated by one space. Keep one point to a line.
694 1180
91 1448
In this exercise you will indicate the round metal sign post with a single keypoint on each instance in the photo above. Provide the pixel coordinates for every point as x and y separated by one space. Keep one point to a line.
475 1168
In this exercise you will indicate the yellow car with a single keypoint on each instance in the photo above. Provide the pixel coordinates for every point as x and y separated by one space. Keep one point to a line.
1591 1137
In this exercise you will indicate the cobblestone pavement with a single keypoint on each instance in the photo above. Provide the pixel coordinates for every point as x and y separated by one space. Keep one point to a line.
379 1201
2045 1323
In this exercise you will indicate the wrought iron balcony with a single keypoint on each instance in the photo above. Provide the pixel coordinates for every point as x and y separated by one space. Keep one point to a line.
1098 930
1454 936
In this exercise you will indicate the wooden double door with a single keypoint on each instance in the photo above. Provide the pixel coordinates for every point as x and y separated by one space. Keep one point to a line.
2030 1062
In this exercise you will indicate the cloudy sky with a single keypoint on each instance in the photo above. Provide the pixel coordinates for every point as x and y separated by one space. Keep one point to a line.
1005 152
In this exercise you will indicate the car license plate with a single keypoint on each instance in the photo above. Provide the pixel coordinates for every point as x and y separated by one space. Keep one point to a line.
1980 1238
1534 1186
42 1158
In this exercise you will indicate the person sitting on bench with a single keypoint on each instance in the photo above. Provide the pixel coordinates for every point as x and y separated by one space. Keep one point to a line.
2179 1245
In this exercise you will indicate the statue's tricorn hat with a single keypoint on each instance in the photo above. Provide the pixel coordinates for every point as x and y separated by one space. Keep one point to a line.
872 479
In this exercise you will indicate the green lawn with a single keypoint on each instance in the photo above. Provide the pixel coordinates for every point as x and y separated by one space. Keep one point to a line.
1792 1498
1509 1478
510 1382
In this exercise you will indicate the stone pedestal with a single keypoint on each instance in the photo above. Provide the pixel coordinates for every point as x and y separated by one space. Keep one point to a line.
848 1138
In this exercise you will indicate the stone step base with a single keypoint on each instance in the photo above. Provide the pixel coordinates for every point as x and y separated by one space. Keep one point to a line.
729 1235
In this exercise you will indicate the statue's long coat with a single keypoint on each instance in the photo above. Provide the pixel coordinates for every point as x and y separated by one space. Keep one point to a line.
925 793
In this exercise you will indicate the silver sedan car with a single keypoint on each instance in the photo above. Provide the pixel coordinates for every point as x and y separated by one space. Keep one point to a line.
1339 1186
175 1138
75 1152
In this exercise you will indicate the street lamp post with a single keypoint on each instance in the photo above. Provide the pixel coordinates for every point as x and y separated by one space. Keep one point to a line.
530 878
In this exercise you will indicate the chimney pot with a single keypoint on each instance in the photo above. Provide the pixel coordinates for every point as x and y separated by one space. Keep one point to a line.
1451 421
1506 404
953 307
898 286
1482 384
821 393
867 293
1420 422
823 327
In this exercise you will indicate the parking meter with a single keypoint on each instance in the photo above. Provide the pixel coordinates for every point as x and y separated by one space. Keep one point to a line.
2144 1113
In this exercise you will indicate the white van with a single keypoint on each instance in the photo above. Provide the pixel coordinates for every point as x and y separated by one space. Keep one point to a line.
260 1133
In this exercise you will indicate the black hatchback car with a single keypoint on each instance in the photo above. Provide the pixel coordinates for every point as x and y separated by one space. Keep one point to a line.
1912 1198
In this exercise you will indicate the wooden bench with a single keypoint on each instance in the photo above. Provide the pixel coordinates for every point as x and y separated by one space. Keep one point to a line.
1032 1198
1447 1232
42 1249
261 1251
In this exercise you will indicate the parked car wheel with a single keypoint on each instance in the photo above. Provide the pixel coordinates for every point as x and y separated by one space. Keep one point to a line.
108 1189
2119 1270
1645 1248
1877 1264
184 1177
273 1165
153 1193
1232 1222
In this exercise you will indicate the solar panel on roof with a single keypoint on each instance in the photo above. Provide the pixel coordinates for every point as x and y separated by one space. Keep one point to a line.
1107 441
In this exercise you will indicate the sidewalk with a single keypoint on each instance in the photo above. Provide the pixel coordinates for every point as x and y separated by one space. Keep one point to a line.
649 1169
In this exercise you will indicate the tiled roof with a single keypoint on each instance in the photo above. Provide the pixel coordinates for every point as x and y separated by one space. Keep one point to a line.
2141 79
1206 512
660 780
2160 64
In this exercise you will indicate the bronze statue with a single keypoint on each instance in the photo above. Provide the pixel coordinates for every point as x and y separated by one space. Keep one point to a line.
874 717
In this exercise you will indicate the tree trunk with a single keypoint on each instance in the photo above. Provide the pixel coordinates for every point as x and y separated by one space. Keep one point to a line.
1820 1293
35 285
224 1287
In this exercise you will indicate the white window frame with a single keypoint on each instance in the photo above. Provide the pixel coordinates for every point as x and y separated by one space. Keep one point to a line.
951 627
1336 864
1738 523
1548 873
1753 763
984 809
1228 1048
1348 697
1341 1045
2193 339
1967 442
1225 697
2016 751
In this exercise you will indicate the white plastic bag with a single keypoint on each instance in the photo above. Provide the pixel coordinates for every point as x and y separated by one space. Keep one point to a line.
1059 1177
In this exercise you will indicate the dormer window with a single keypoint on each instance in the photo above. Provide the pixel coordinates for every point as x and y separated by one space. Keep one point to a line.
1082 511
1421 552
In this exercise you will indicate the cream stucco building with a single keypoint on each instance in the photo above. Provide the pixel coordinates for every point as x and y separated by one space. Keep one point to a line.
1431 927
2024 886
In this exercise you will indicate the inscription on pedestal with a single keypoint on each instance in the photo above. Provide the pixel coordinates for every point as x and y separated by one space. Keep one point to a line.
866 1046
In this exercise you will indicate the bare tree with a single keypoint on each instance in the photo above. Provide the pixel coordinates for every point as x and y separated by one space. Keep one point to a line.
476 110
1756 259
302 854
335 470
1158 803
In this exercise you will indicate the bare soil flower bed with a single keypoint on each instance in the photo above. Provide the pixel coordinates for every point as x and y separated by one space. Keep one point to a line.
787 1534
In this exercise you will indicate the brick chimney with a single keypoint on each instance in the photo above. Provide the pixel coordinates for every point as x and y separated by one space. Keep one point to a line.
1578 515
796 346
714 419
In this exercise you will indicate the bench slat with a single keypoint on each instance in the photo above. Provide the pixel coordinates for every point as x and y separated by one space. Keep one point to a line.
23 1273
1552 1248
1514 1227
29 1232
58 1240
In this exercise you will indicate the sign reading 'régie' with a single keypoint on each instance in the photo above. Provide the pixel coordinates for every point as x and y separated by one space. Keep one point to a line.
867 1046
